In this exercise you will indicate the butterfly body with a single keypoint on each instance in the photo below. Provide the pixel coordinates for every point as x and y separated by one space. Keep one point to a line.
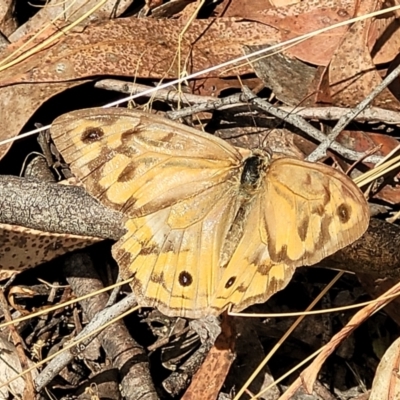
208 225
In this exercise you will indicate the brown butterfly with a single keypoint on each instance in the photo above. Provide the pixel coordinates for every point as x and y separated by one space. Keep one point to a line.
208 225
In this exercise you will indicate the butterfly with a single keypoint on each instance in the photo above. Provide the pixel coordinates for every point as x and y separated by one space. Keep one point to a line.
209 226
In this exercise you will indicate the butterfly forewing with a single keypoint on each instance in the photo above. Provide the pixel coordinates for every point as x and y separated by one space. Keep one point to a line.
138 164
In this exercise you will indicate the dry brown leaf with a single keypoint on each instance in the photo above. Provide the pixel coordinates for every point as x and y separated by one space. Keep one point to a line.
352 74
142 48
242 9
284 3
19 102
10 366
69 11
386 384
364 141
168 10
208 380
8 21
389 194
287 77
28 42
384 39
301 18
23 248
190 11
319 49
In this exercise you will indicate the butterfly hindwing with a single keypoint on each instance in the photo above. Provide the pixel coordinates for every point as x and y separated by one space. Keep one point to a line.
174 253
250 275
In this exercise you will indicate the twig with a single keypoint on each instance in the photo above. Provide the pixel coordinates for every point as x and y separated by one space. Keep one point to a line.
168 95
99 320
51 207
370 115
321 150
308 376
125 354
215 104
300 123
122 350
29 391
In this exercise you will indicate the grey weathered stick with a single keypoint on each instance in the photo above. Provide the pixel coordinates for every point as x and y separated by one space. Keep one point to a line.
59 362
373 114
168 95
52 207
122 350
300 123
214 104
321 150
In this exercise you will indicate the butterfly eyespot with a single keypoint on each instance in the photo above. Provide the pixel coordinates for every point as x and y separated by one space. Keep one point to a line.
344 213
92 134
185 279
230 282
